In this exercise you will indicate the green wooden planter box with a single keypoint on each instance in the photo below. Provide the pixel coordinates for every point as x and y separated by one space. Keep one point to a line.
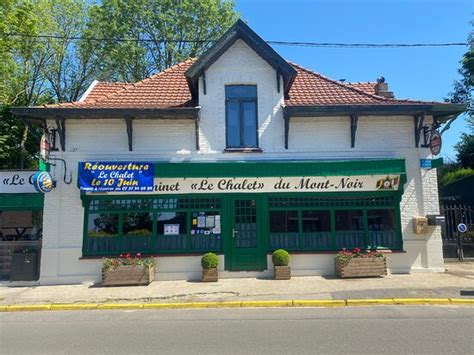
128 275
361 267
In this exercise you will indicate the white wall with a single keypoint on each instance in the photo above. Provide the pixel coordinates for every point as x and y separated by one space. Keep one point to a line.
174 140
241 65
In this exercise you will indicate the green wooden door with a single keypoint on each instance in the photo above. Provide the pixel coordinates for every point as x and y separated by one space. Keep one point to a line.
247 250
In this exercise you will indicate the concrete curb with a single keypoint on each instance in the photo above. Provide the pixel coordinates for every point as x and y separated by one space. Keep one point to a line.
238 304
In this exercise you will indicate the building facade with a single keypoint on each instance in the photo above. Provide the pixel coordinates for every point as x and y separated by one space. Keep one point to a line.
239 152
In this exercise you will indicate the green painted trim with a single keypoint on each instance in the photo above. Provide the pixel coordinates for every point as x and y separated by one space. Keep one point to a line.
280 168
28 201
436 163
365 222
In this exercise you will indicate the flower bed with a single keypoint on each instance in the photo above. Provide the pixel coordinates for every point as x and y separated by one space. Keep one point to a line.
128 270
357 263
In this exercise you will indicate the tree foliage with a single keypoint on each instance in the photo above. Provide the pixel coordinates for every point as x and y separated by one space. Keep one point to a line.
465 151
462 89
452 176
462 93
34 71
163 28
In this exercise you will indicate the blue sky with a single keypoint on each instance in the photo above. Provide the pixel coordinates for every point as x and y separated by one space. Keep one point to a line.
417 73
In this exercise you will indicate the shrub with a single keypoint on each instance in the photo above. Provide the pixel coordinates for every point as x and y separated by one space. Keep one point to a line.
345 254
455 175
281 257
127 259
209 261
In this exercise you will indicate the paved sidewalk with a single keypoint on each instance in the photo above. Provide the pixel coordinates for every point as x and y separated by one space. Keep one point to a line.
458 277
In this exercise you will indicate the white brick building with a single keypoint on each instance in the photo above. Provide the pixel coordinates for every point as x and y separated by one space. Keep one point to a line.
241 112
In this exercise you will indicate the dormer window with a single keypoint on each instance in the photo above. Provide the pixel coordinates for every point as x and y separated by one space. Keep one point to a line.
241 116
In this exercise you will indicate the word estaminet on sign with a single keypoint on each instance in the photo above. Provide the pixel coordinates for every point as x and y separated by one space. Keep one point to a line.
277 184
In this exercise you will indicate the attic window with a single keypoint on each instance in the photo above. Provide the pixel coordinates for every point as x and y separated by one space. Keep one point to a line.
241 116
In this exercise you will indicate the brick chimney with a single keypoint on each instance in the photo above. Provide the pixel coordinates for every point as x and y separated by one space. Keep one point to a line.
381 88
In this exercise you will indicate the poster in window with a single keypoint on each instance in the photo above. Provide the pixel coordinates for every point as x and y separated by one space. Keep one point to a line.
201 222
209 221
217 224
171 229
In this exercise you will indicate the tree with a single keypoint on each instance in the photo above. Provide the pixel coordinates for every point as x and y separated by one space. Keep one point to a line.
22 80
74 61
162 29
36 70
462 90
465 149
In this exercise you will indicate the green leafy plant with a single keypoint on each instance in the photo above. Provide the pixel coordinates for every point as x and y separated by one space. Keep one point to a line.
101 234
280 257
209 261
456 175
345 255
127 259
139 232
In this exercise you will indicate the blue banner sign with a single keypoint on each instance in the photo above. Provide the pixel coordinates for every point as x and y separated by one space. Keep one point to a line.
106 176
425 163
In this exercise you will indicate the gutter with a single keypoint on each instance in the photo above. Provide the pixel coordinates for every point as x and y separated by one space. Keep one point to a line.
44 113
442 112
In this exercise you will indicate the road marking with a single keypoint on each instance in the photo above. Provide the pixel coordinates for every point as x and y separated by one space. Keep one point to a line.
237 304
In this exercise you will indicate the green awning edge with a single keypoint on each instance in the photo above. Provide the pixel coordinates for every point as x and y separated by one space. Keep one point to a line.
280 168
28 201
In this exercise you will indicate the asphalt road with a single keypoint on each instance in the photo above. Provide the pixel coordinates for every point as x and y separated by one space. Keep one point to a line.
380 329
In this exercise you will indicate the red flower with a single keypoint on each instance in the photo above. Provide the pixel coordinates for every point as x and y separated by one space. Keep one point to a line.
138 256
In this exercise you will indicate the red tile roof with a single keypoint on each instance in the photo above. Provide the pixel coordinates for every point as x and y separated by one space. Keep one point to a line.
169 89
103 88
368 87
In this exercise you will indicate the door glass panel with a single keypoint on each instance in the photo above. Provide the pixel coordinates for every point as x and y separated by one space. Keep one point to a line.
233 124
284 229
382 228
316 229
103 232
245 224
171 230
250 124
349 229
137 231
206 231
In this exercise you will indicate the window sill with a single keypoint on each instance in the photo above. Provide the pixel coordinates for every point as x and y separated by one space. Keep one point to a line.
243 150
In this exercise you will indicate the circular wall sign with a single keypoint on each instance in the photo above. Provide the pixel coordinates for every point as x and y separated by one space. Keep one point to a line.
435 142
43 182
462 228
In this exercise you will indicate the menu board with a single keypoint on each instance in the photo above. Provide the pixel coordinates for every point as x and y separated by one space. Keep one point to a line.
205 223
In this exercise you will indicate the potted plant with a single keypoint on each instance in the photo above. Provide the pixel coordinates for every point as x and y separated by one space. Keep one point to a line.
358 263
128 270
209 263
281 264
